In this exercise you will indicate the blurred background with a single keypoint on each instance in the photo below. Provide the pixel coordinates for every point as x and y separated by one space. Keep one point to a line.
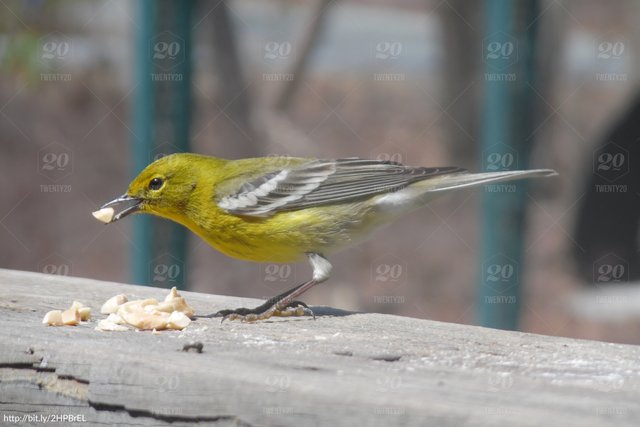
91 92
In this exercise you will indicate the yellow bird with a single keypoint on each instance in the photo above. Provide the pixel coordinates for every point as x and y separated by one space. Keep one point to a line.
283 209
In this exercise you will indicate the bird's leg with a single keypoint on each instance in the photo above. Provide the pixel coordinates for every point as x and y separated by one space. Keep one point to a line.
283 304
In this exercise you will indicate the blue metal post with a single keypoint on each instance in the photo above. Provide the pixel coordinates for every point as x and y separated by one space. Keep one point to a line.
143 135
181 114
506 143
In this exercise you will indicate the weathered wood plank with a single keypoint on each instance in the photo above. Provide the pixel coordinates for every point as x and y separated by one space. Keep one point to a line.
341 369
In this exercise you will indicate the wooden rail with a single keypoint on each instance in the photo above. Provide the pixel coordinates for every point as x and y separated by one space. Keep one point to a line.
342 369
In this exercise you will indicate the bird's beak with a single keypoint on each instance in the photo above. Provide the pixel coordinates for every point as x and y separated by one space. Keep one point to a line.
129 205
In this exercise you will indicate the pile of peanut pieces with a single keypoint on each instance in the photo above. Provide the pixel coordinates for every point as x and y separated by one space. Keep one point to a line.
143 314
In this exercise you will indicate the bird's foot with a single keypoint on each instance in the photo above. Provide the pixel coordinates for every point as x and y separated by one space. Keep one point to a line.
281 305
265 311
294 308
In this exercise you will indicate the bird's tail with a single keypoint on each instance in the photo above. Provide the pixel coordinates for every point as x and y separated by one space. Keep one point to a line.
416 194
466 179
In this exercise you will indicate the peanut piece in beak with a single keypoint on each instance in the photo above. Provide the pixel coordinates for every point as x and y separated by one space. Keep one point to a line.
105 215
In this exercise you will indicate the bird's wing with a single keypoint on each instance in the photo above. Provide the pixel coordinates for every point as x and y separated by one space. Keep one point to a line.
322 182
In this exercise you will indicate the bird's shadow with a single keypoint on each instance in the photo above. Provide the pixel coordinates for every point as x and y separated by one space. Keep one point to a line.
324 310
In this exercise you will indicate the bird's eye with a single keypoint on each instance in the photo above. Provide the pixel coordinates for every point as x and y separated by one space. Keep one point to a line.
155 183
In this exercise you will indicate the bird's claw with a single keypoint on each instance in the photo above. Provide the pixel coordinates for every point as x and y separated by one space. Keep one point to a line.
294 308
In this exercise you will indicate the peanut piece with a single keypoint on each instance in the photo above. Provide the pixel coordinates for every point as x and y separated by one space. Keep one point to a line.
70 317
178 320
112 304
53 318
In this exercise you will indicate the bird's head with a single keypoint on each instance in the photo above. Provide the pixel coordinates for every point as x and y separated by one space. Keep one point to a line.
163 188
